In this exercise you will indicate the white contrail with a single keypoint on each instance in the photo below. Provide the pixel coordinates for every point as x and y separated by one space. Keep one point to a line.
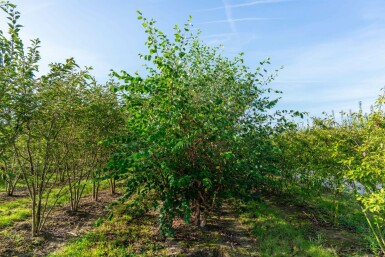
232 21
229 18
247 4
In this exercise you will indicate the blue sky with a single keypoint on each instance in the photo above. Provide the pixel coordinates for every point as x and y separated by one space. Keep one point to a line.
333 51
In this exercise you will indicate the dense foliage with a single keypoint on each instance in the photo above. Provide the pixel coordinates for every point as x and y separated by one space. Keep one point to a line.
198 124
340 157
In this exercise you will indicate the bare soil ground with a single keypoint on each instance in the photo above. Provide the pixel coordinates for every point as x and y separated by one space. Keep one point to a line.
61 226
19 193
223 236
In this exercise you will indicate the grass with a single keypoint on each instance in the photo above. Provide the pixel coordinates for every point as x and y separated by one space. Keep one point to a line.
122 236
275 236
13 211
2 185
20 209
323 205
349 213
349 216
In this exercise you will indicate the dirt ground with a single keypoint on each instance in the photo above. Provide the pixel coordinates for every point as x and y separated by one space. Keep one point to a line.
61 226
19 193
224 235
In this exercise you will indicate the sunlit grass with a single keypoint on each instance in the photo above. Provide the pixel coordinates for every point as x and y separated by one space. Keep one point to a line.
277 237
19 209
13 211
323 205
349 212
122 236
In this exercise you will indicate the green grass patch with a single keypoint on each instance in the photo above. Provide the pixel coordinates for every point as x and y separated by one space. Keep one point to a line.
349 215
20 209
13 211
277 237
120 237
349 212
323 205
2 185
342 212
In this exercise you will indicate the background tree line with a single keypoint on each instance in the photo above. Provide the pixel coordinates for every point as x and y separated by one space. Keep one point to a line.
339 157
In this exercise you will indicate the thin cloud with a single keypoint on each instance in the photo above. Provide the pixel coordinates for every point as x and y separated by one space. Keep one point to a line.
247 4
229 18
220 35
345 71
240 20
